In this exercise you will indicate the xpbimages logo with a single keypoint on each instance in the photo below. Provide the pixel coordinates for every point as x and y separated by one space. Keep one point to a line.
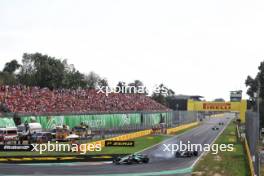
181 147
128 89
60 147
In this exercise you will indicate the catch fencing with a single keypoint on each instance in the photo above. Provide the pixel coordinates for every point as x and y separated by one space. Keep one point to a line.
183 117
252 135
131 121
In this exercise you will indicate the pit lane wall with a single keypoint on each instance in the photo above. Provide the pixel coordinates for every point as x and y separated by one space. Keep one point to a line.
206 106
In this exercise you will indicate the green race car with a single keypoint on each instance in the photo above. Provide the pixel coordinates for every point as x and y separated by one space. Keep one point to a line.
131 159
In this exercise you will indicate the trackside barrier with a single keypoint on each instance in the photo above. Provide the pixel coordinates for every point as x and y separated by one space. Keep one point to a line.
124 137
250 162
244 141
56 159
217 115
143 133
138 134
182 127
238 133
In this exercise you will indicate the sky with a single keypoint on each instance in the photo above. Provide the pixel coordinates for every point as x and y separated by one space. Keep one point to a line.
205 47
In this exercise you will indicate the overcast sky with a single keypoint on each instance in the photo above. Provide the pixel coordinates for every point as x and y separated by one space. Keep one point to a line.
205 47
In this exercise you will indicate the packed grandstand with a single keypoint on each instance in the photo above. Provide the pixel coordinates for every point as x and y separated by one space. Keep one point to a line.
36 100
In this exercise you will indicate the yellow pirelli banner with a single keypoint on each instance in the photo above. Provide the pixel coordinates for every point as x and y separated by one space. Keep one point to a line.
240 107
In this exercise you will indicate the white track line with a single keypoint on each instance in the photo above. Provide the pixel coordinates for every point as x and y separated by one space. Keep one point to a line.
194 163
175 136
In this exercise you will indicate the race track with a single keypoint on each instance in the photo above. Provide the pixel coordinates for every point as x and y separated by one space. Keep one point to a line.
161 163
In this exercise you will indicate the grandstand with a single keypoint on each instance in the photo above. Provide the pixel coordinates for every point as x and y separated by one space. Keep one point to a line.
72 107
35 100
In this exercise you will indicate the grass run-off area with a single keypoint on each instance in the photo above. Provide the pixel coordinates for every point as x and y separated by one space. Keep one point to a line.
140 144
226 163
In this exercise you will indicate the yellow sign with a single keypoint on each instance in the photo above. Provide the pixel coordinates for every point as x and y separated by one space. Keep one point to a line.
240 106
217 106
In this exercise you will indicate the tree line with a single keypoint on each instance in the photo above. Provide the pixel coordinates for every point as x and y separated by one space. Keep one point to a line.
255 89
42 70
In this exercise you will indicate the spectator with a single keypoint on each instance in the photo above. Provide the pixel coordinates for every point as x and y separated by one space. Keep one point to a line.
22 99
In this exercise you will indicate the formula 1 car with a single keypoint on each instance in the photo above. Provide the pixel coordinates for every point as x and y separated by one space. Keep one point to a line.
131 159
215 128
186 153
221 123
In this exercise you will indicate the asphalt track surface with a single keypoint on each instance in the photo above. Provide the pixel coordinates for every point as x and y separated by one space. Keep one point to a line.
162 162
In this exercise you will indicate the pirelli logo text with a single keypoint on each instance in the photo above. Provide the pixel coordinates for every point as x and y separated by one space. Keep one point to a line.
217 106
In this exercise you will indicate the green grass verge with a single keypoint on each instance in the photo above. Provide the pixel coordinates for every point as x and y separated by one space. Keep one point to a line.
28 154
140 144
225 163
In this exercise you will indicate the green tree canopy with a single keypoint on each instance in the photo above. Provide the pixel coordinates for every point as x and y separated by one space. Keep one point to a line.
11 67
163 95
253 86
92 80
43 71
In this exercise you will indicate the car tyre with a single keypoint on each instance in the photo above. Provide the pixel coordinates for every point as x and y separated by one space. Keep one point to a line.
177 154
145 160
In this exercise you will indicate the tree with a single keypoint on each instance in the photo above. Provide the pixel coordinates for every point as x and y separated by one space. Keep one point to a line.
121 87
74 79
161 94
92 80
7 79
7 76
103 84
42 70
11 67
136 83
219 100
253 85
46 71
136 87
170 93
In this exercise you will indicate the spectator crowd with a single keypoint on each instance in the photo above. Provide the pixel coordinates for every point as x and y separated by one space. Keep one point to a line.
35 100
